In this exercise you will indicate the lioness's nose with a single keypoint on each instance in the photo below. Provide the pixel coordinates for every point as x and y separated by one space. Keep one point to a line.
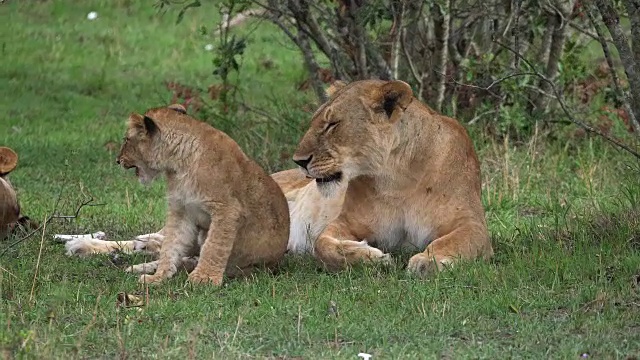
303 162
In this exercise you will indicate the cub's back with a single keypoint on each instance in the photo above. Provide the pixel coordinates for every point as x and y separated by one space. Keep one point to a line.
264 223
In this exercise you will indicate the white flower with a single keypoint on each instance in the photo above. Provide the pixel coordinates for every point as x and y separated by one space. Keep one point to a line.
365 356
208 47
92 15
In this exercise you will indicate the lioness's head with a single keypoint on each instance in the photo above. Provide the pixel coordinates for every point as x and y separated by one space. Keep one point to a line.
9 208
140 144
354 132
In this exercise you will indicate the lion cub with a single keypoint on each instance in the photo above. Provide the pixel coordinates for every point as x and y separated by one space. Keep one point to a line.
9 208
214 189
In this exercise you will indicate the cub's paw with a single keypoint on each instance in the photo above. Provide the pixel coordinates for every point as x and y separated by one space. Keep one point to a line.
198 277
145 268
383 259
423 265
150 246
150 279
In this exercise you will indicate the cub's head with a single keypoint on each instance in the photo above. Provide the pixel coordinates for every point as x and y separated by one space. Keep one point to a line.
354 132
9 208
141 142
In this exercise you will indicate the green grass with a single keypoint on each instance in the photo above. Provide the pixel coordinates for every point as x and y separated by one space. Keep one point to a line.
564 217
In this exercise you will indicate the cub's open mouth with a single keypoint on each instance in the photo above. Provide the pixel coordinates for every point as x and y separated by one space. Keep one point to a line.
334 177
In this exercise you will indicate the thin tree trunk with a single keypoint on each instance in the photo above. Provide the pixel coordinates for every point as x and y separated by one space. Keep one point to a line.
444 52
312 66
612 21
621 94
633 9
552 22
540 102
395 40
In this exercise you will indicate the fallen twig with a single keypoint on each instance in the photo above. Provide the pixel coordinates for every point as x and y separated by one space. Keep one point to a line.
35 273
564 107
87 202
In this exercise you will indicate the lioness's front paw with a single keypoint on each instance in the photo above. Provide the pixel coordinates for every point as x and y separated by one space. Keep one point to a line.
423 265
373 254
198 277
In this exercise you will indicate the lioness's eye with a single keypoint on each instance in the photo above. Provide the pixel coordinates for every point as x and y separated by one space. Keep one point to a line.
330 126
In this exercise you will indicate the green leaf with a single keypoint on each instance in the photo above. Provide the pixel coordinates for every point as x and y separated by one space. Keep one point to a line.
194 4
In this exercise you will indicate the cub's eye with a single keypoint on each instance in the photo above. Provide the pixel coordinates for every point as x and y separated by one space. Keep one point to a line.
330 126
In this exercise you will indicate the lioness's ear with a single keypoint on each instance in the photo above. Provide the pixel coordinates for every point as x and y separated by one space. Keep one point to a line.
8 160
143 123
334 87
393 96
178 107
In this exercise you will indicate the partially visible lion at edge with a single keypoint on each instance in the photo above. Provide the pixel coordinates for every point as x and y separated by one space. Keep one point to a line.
379 172
10 217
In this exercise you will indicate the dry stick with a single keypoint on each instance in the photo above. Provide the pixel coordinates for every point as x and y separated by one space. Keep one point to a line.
583 30
35 274
8 272
49 219
493 83
299 320
564 107
622 95
121 345
235 333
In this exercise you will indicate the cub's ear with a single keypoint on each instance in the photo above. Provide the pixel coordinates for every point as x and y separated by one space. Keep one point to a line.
8 160
393 98
178 107
335 87
143 124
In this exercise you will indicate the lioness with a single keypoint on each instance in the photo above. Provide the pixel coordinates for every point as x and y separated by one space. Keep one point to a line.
381 171
407 177
222 205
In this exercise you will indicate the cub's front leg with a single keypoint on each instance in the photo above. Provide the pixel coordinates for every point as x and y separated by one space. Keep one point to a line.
337 247
217 247
180 236
188 263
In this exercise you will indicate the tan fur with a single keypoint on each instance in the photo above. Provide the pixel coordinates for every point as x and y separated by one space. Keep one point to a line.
411 180
9 208
214 190
408 177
